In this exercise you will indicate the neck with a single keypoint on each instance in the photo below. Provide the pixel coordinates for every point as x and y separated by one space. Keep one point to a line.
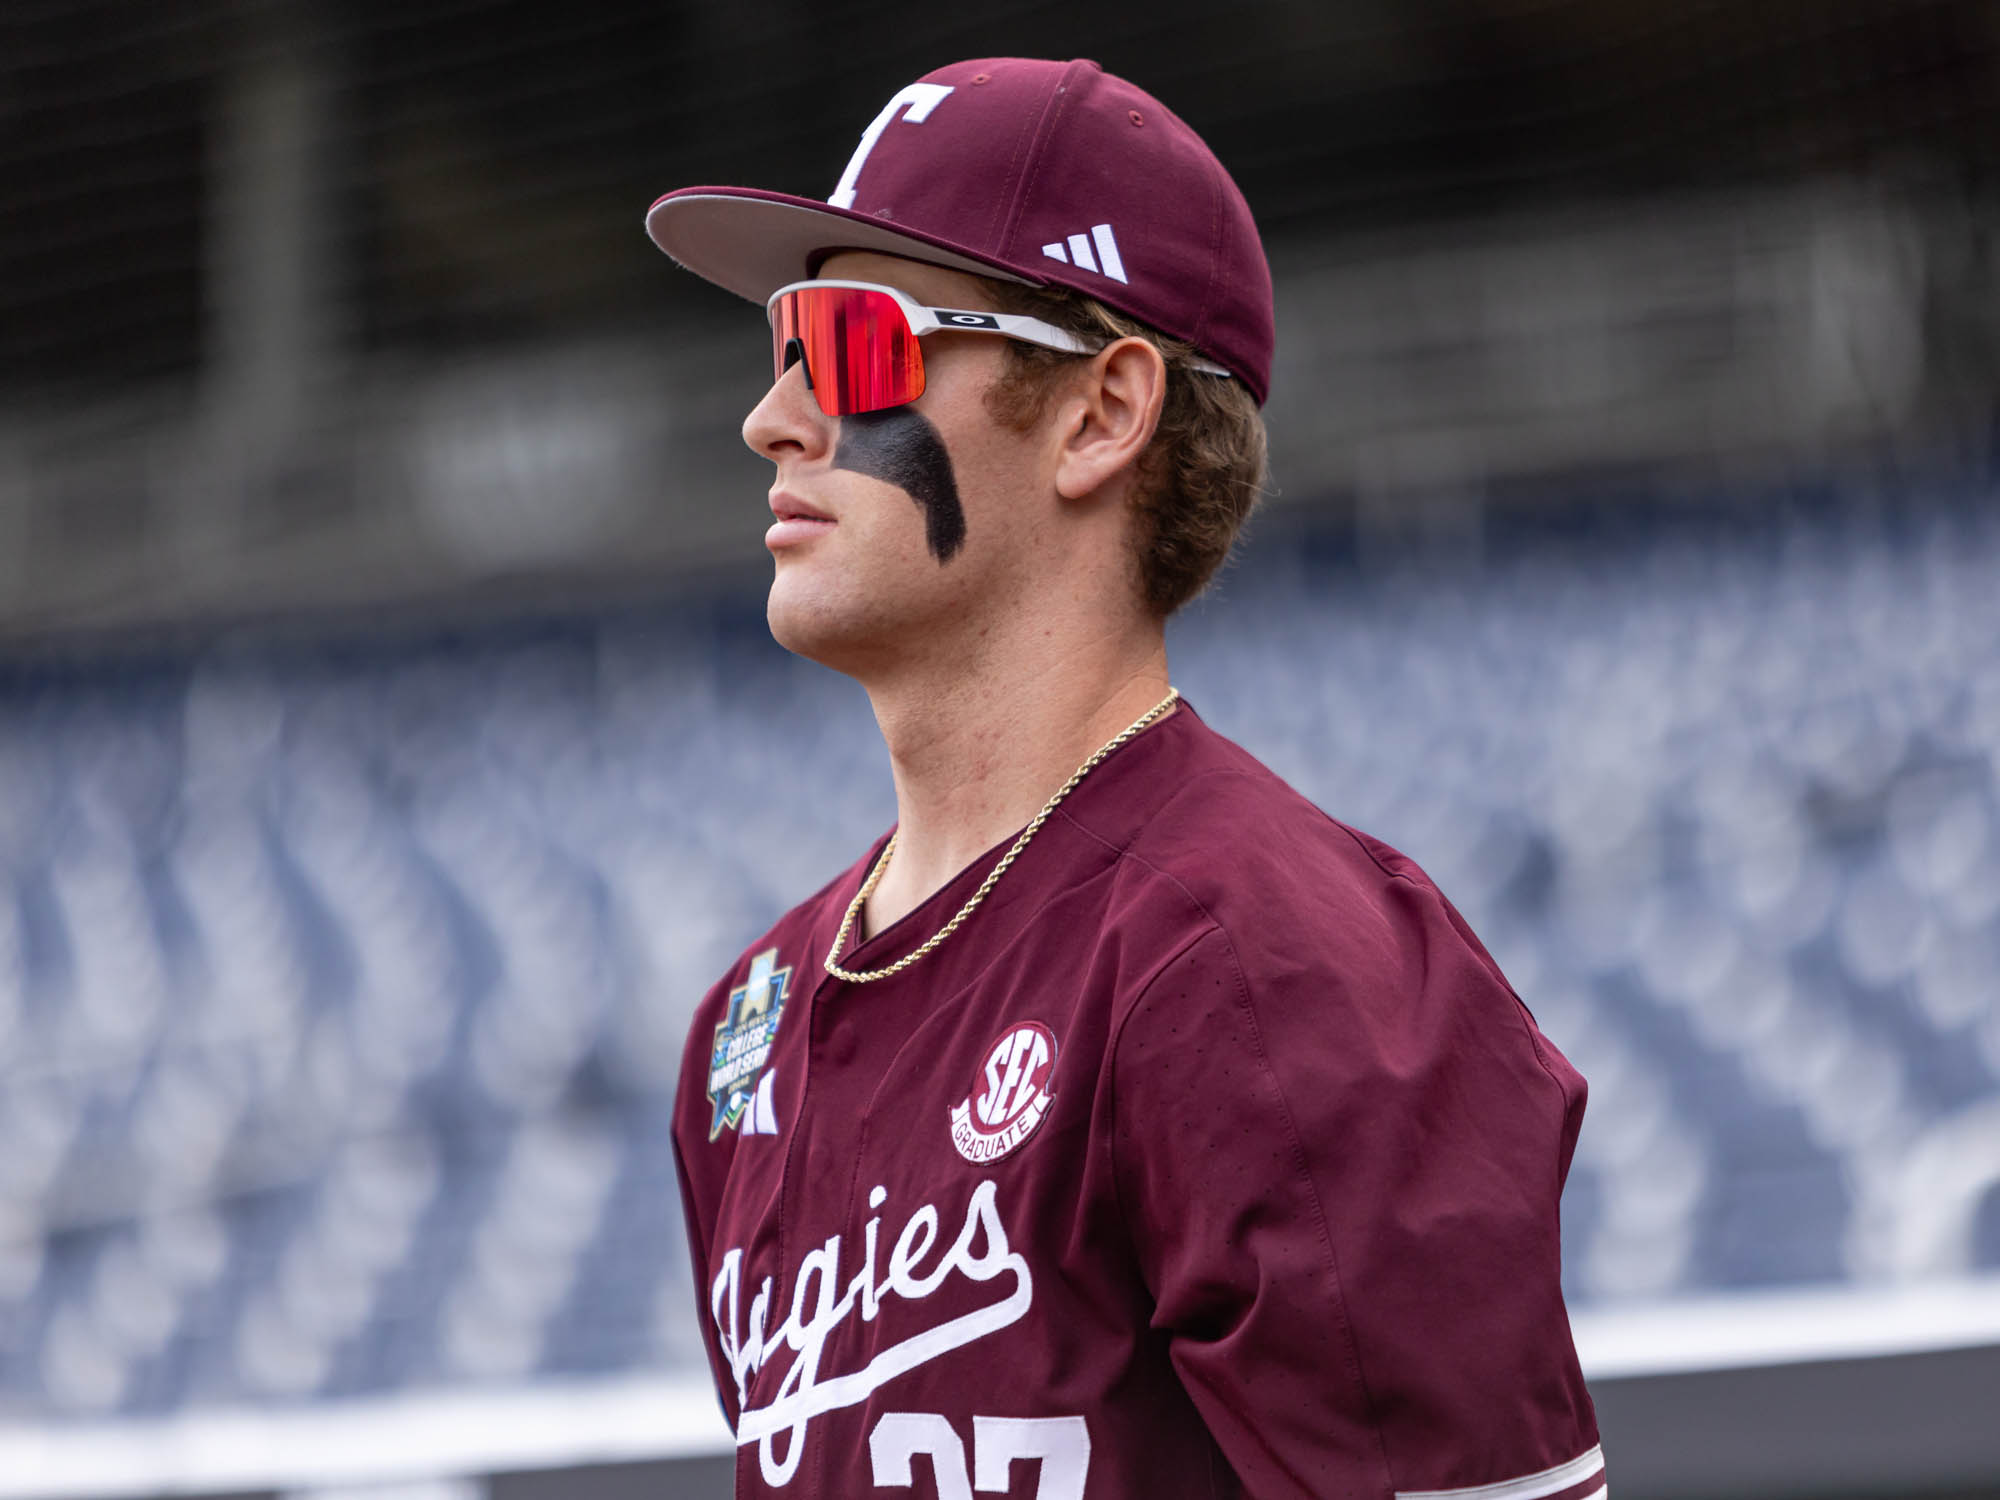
975 754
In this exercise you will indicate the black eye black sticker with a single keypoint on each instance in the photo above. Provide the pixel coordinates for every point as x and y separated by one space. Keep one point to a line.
900 447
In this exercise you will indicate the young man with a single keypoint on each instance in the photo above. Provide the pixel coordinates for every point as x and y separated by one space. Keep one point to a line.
1122 1126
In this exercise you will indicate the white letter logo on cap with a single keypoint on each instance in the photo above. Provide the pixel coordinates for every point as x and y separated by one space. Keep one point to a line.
919 99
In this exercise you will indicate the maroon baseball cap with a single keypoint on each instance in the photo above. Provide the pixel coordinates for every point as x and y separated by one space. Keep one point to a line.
1027 170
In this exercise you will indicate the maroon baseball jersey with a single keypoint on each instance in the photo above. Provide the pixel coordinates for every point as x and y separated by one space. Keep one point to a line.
1212 1156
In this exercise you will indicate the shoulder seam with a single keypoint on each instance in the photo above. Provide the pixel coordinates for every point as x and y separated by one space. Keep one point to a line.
1362 844
1124 851
1352 835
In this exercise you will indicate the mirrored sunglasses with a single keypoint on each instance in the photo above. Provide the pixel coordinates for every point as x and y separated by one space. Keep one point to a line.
859 341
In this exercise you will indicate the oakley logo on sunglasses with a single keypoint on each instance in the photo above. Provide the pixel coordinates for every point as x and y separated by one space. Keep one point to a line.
970 320
916 101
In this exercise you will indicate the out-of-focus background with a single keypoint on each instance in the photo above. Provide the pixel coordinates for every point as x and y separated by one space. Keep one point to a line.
391 750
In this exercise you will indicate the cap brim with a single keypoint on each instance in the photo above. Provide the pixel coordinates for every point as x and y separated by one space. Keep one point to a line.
752 242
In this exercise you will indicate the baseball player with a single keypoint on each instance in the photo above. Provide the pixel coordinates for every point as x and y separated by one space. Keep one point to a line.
1121 1125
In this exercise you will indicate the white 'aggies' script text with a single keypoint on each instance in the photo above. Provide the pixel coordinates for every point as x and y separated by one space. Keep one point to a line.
820 1305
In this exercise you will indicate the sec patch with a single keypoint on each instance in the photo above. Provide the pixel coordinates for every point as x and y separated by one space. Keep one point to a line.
1010 1097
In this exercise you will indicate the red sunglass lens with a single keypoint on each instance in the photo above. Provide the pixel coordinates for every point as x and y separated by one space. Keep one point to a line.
860 354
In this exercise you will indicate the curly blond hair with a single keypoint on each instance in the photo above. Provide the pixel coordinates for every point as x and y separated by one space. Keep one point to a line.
1205 468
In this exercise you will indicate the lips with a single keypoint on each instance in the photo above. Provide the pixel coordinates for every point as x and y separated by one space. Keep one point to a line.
789 507
797 521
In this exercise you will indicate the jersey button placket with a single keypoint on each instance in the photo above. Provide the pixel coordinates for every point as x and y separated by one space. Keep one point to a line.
834 1044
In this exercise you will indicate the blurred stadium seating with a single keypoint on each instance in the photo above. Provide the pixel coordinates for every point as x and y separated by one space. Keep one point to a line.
342 986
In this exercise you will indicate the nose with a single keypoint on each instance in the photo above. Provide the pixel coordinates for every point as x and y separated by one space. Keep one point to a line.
788 419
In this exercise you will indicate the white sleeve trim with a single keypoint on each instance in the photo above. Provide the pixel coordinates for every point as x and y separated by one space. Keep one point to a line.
1528 1486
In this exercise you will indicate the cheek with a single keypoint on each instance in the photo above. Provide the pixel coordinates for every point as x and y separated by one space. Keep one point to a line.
900 447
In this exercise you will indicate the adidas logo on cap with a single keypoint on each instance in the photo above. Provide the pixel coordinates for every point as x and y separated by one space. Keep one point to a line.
1077 253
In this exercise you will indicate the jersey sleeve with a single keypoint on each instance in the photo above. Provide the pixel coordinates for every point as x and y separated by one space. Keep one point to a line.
1340 1159
701 1165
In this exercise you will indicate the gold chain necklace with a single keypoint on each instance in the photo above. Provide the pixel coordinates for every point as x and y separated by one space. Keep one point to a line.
868 976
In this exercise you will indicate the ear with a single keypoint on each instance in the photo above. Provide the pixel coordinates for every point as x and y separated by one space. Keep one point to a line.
1109 416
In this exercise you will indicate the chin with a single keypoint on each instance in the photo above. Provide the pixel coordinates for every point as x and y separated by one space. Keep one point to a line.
858 631
811 624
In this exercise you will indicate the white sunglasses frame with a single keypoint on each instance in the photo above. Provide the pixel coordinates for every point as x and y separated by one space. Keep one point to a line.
925 320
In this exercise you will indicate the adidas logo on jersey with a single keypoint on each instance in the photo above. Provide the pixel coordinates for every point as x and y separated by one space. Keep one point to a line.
761 1118
1076 251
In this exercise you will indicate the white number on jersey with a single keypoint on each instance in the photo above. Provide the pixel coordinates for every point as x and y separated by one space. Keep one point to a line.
1060 1444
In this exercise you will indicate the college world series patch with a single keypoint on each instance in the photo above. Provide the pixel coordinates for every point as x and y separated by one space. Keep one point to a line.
1010 1097
743 1041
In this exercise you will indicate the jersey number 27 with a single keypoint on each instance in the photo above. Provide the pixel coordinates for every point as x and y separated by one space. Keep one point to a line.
1061 1444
